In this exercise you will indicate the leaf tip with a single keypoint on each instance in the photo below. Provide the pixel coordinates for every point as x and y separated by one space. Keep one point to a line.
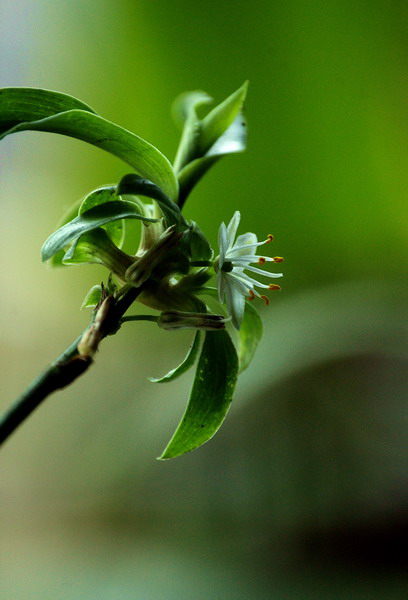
167 454
162 457
45 255
244 87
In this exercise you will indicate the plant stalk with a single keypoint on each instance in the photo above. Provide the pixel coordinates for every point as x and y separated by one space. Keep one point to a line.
72 363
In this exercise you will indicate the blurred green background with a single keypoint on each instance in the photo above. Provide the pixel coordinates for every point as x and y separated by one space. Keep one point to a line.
303 493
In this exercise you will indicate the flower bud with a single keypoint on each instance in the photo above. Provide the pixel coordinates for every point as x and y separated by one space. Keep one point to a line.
96 247
157 255
184 320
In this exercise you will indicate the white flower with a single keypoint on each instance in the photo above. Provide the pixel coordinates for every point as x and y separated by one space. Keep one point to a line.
235 257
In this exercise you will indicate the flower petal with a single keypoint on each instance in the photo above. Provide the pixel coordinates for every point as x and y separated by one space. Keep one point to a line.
234 284
240 282
245 244
235 302
232 227
222 243
221 278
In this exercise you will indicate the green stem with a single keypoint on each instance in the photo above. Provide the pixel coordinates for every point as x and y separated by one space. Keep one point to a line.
65 369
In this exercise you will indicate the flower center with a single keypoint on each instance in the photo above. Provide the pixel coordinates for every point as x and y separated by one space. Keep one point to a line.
227 266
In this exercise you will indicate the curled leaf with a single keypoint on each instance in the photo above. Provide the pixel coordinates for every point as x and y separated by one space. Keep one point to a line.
23 109
211 395
132 184
93 297
204 141
186 363
91 219
250 334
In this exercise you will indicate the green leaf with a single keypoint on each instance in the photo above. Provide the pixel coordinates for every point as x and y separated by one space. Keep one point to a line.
89 220
101 195
222 131
250 334
210 397
115 229
184 365
186 104
196 244
44 110
185 112
191 174
220 119
19 104
200 135
233 140
134 185
71 213
93 297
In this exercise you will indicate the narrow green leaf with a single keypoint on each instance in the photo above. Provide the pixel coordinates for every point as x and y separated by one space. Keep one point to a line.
222 131
44 110
20 104
132 184
250 334
71 213
191 174
185 112
101 195
199 136
232 140
196 244
218 121
210 397
115 229
186 364
93 297
185 106
91 219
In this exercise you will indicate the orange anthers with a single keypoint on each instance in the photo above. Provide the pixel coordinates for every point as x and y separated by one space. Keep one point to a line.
265 299
274 287
251 295
269 238
261 260
277 259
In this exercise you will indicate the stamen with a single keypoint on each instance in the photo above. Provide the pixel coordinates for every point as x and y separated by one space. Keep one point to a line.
274 287
251 295
261 260
265 299
278 259
269 239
